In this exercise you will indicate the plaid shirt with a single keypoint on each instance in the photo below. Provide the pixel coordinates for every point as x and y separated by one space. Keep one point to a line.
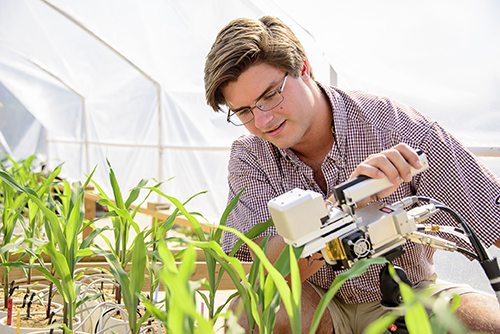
366 124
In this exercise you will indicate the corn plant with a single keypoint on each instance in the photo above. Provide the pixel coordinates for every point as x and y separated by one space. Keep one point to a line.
28 175
11 214
122 218
24 171
15 202
153 267
63 225
261 292
179 314
211 258
132 283
36 219
213 281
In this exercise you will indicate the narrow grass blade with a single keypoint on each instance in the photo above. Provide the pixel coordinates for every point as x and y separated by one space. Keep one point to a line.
358 269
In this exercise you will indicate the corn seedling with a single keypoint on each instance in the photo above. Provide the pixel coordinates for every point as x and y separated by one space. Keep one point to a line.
11 213
213 282
63 225
15 205
133 282
179 314
35 218
122 218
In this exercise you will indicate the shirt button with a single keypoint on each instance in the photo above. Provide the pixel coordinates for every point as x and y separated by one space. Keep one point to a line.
339 160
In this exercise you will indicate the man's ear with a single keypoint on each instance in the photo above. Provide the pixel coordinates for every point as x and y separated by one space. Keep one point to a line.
305 72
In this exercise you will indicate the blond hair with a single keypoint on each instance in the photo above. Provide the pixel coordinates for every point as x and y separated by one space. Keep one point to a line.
245 42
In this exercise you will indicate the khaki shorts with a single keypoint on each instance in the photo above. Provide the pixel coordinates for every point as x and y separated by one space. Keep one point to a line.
354 318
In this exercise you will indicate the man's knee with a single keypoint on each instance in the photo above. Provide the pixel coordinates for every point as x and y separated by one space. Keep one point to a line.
310 300
479 313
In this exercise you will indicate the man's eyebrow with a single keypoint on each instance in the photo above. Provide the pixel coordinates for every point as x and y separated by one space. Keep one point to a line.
267 90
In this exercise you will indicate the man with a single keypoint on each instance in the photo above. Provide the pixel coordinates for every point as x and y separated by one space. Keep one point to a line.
304 134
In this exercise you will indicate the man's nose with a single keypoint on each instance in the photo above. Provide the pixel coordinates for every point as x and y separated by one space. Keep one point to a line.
262 118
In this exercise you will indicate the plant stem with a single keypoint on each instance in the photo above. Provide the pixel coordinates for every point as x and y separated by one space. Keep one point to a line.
118 296
49 302
6 282
69 314
28 280
65 313
5 289
212 306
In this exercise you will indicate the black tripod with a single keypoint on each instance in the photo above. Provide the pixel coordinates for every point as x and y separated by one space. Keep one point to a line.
391 295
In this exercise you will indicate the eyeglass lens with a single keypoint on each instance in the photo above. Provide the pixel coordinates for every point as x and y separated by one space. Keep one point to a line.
266 103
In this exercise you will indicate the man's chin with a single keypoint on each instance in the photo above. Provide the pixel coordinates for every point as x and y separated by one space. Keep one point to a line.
279 143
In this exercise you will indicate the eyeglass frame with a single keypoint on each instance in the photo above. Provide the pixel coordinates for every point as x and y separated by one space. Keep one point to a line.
279 91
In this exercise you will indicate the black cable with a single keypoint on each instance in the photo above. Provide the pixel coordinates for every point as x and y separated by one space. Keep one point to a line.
106 312
482 255
490 266
478 246
468 253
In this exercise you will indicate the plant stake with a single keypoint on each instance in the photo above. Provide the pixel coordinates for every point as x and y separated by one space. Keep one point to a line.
9 311
28 308
18 322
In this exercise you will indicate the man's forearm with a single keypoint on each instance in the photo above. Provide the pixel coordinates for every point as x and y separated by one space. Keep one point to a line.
307 267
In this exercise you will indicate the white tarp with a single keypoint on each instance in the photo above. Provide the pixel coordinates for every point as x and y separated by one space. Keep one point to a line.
123 79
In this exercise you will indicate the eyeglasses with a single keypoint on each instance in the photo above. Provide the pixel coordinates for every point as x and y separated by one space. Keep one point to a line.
270 101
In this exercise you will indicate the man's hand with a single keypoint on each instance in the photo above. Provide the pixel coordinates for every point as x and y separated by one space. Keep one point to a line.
395 163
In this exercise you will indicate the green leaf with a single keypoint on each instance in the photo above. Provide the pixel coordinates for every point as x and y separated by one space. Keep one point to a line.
296 285
48 182
66 198
16 265
194 223
356 270
138 264
88 298
63 272
455 303
8 247
187 265
84 252
157 313
225 215
116 189
281 285
254 232
134 194
74 224
381 324
52 219
417 319
443 320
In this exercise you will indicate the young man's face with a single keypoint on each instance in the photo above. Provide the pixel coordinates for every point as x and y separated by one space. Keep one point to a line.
286 125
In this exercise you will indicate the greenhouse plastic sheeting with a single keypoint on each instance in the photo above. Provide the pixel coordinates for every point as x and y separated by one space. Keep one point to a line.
122 80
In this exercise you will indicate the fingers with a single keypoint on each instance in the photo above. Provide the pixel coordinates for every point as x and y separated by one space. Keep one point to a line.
394 163
411 157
